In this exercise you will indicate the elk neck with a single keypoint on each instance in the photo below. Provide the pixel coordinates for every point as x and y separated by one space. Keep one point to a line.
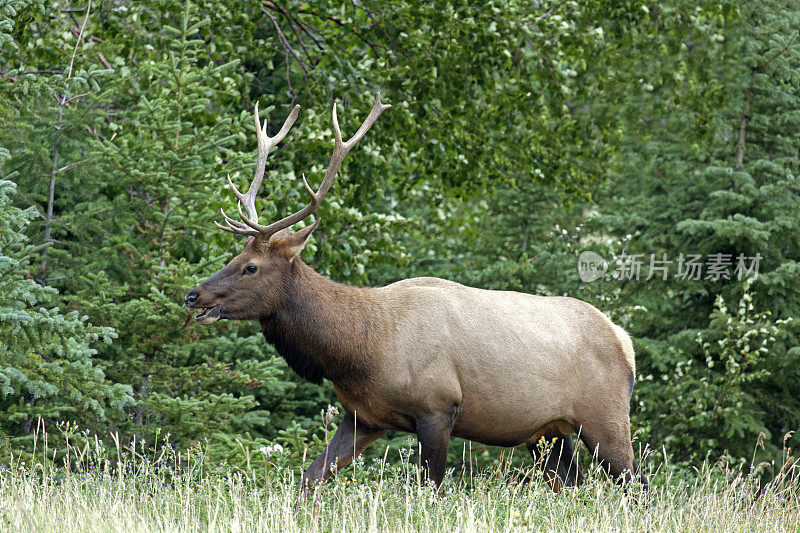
325 329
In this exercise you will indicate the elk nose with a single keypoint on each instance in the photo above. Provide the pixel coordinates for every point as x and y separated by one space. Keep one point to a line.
191 297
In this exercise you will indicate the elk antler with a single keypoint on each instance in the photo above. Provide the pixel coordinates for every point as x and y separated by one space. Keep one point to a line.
265 144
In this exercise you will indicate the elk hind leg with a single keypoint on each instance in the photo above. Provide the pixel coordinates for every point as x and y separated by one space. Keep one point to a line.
560 464
610 443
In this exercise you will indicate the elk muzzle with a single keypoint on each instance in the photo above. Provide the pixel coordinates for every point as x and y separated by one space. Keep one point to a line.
209 313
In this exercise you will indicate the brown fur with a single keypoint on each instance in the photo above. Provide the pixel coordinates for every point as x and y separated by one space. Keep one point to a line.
324 330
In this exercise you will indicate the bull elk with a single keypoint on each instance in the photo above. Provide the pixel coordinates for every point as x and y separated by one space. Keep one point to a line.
427 355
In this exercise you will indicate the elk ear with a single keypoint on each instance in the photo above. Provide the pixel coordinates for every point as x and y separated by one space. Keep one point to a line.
295 242
282 234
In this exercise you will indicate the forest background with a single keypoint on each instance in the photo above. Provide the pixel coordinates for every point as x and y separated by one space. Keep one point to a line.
662 136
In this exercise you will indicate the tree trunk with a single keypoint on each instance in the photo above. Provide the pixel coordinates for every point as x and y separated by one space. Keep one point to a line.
742 131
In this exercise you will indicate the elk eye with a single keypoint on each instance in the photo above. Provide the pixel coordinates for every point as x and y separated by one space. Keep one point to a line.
250 269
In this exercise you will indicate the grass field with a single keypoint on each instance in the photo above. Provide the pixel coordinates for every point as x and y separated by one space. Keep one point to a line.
123 490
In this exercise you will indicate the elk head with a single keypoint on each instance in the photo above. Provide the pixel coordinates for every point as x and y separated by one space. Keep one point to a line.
255 283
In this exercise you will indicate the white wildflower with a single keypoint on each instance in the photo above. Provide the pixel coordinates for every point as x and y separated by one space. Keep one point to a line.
269 451
328 414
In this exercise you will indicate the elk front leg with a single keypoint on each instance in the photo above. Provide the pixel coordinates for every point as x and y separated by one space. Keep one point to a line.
433 433
348 442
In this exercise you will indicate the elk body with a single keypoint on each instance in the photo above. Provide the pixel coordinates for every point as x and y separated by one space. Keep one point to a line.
426 355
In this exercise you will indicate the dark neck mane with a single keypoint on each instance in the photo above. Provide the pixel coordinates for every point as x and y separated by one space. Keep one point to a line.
324 329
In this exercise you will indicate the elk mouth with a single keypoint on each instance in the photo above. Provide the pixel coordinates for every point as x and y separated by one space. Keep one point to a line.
209 315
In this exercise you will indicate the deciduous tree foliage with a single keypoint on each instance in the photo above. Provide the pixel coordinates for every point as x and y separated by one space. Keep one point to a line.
521 133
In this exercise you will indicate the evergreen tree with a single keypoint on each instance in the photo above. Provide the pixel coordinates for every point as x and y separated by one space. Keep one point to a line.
711 170
48 367
168 155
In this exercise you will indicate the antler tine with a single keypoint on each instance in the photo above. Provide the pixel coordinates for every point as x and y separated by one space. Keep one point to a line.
248 200
308 187
236 231
340 150
234 226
